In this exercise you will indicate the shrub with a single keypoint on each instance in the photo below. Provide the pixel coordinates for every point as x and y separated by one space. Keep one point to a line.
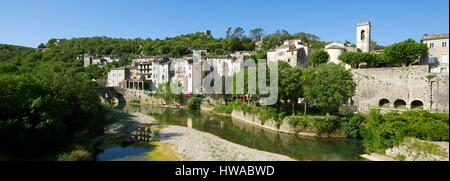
429 130
326 125
351 124
77 154
384 131
317 124
301 122
194 103
223 108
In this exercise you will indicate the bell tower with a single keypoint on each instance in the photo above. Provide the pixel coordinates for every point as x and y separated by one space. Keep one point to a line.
363 36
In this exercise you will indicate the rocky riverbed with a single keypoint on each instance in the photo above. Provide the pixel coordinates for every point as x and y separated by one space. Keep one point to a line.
195 145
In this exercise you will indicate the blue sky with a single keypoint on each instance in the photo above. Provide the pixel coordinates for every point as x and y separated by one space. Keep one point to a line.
30 22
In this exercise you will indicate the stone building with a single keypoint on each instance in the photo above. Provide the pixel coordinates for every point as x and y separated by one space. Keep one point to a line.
363 36
225 66
118 77
294 52
150 72
412 87
437 52
336 49
89 59
181 71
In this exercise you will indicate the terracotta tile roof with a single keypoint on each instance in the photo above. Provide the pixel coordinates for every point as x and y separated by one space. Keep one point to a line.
435 36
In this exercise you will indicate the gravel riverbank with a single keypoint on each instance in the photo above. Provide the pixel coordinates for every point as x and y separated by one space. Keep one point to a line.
191 144
201 146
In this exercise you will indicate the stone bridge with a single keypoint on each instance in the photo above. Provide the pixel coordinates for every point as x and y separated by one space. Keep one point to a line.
111 95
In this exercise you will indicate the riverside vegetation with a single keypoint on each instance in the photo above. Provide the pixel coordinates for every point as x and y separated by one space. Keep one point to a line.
378 131
46 106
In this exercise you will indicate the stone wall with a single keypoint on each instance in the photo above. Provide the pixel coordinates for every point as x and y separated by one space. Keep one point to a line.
144 98
413 83
418 150
285 127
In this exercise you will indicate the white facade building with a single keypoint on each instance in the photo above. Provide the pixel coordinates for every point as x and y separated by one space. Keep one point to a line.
225 66
117 77
153 71
293 52
336 49
437 52
182 71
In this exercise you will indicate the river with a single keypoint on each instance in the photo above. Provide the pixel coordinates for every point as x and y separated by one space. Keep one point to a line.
301 148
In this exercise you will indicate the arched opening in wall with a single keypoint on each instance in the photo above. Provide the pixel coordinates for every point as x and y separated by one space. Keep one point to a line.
114 101
384 103
401 104
363 35
416 104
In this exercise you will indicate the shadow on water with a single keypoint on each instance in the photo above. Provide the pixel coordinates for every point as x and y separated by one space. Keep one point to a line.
127 153
302 148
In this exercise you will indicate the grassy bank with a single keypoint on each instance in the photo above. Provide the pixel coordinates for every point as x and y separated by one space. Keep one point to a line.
163 152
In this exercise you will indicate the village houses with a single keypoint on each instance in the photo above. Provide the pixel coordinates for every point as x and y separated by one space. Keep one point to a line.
295 52
377 87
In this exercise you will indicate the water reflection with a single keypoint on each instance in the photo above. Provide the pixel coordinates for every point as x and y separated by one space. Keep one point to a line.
119 153
302 148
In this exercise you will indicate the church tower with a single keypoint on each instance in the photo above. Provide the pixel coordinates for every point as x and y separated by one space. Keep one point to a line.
363 37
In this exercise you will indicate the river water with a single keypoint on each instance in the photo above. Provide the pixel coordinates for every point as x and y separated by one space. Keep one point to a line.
301 148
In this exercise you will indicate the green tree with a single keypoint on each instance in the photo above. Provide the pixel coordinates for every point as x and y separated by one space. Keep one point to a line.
283 76
306 37
329 86
256 34
406 52
238 33
47 107
293 86
319 57
356 58
375 45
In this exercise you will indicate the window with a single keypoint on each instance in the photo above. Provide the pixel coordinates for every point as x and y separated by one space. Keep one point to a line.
444 58
444 44
431 45
363 35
